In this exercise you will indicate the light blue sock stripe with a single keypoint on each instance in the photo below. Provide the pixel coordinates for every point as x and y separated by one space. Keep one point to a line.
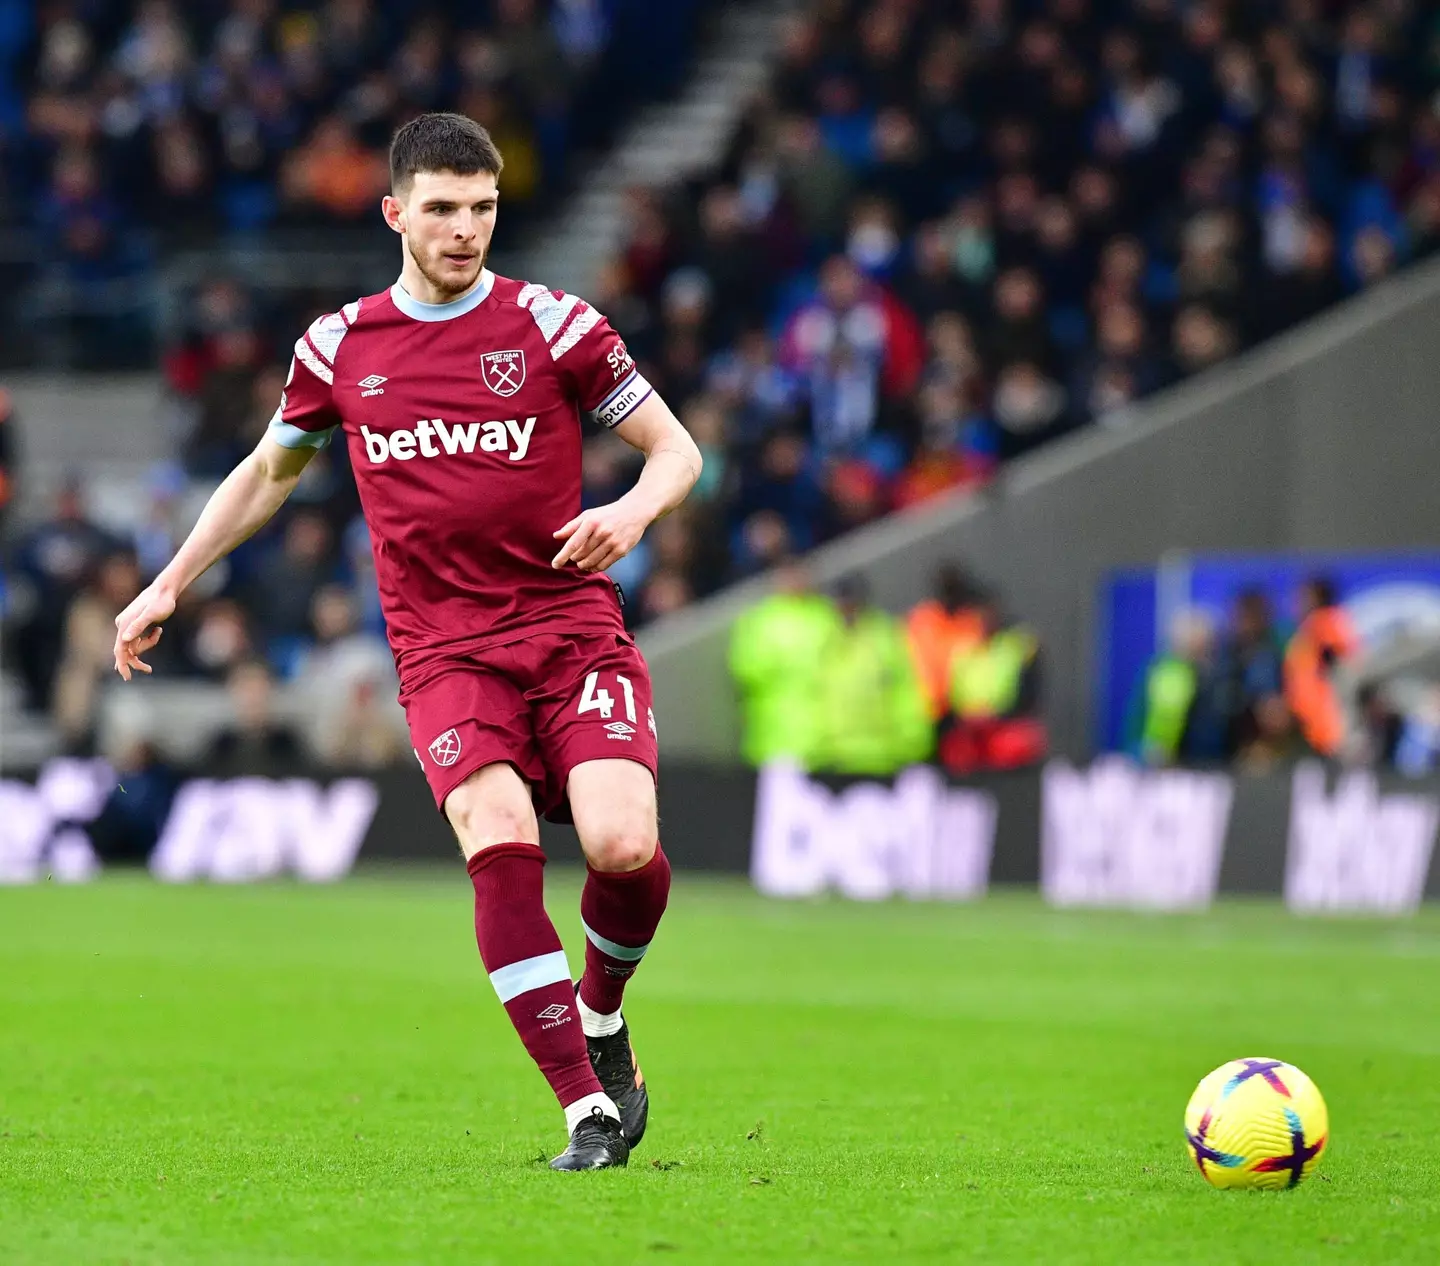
622 952
530 973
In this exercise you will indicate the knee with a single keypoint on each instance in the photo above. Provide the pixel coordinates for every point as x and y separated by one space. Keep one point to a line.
481 818
621 847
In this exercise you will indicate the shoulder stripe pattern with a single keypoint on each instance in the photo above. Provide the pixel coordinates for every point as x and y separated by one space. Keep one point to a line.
551 314
325 335
310 358
317 348
548 311
577 329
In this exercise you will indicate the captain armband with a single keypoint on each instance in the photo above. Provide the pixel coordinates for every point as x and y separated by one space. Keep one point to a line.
624 400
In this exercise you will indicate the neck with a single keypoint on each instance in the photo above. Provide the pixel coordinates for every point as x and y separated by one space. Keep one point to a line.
419 287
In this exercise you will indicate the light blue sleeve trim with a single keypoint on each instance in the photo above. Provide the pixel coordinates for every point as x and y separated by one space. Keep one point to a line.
288 435
530 973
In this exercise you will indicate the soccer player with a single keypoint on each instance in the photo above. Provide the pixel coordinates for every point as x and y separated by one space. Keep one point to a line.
458 393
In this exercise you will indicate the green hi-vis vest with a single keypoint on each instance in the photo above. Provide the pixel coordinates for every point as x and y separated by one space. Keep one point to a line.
776 649
875 718
1170 685
985 679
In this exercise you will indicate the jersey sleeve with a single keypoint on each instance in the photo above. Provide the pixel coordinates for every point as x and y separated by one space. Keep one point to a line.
590 357
307 416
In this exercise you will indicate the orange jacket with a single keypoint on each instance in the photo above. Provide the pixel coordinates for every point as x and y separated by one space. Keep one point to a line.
1324 638
935 635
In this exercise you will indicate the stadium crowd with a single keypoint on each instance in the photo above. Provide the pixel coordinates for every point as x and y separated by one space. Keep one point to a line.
947 232
1256 695
130 129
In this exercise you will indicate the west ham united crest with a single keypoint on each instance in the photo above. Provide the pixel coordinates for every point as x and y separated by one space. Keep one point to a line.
445 750
504 372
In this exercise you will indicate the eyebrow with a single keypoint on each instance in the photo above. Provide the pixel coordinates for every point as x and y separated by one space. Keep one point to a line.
431 203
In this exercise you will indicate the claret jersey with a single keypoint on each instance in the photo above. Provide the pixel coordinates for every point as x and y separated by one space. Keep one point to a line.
462 421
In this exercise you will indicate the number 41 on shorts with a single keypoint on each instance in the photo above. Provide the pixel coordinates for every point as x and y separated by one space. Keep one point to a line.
596 698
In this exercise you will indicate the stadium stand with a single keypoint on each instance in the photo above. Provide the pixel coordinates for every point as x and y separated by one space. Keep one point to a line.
945 233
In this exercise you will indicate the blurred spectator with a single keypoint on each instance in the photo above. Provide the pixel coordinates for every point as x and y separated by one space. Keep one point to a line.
135 813
87 650
1273 741
287 579
873 717
335 173
1308 286
218 637
776 657
1251 676
783 485
994 697
1178 714
1378 731
358 724
158 534
851 346
665 591
1417 749
1323 644
55 559
944 624
348 679
256 740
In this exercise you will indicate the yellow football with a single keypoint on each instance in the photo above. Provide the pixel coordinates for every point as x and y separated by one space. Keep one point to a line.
1256 1123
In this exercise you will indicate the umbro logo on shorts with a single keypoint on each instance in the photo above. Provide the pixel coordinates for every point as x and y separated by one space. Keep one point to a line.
445 750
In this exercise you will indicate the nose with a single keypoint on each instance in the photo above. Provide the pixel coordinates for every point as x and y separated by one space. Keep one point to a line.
464 225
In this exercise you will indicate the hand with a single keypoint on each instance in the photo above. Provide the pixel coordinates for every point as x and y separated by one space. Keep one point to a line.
137 628
596 538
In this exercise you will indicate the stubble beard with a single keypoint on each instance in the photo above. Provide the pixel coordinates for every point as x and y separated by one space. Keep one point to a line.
445 285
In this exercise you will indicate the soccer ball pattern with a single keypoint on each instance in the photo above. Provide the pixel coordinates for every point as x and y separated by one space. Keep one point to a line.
1256 1123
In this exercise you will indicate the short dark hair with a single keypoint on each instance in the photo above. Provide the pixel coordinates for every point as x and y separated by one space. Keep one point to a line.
441 142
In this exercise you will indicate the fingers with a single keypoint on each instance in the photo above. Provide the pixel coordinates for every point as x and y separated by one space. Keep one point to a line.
581 541
569 527
137 626
128 652
599 558
593 544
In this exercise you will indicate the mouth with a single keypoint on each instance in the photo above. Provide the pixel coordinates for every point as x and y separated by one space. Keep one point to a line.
460 261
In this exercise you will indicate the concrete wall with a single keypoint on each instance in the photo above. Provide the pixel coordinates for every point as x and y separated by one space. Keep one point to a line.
1327 439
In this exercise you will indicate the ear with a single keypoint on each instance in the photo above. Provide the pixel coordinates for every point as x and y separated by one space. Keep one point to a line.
394 212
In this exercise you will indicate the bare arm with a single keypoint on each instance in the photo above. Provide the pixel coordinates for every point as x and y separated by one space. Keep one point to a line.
597 538
240 507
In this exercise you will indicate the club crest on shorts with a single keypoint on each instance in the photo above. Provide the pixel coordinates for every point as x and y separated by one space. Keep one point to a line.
504 372
445 750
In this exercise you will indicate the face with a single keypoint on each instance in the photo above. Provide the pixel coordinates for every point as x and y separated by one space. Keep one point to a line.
446 221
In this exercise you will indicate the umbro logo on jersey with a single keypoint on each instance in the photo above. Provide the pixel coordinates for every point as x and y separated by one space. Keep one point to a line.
618 729
504 372
432 437
372 385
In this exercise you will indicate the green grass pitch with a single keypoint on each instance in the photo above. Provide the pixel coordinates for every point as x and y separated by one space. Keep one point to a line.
323 1075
